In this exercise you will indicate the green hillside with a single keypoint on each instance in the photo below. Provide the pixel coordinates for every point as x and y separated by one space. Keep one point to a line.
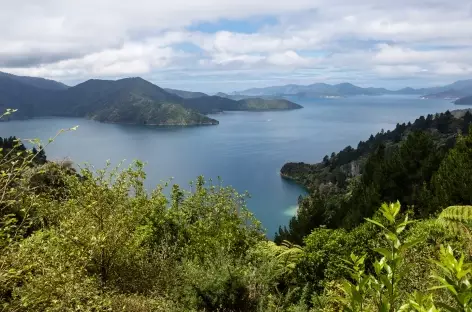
186 94
140 110
256 104
348 186
37 82
216 104
129 100
98 240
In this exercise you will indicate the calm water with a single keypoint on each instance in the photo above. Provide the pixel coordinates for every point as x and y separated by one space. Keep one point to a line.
246 149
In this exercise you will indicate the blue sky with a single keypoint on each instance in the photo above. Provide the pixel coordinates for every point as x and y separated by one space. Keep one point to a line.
222 45
249 25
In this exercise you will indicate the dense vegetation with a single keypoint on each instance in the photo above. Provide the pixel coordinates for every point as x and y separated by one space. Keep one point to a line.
186 94
130 100
403 164
267 104
96 240
215 104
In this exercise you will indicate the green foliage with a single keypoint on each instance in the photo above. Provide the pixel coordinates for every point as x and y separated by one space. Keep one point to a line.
284 258
408 164
381 289
102 242
387 269
97 240
453 181
455 278
356 292
419 303
457 219
20 197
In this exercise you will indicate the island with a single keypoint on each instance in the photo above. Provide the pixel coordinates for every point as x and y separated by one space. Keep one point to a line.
125 101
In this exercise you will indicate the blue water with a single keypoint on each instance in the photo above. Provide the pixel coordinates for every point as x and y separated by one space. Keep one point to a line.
247 149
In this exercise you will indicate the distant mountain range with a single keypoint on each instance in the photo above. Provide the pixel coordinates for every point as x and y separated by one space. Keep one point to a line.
129 101
137 101
452 91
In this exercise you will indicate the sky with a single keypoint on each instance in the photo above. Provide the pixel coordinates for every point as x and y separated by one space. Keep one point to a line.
227 45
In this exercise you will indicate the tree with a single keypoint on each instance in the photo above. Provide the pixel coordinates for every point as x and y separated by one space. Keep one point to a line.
453 181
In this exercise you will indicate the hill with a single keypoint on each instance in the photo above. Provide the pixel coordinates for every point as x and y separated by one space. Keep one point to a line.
37 82
346 89
26 98
243 97
185 94
216 104
456 90
348 186
258 104
313 90
450 94
467 100
129 100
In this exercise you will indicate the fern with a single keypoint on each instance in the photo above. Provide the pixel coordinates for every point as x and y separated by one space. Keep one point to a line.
284 257
290 255
457 219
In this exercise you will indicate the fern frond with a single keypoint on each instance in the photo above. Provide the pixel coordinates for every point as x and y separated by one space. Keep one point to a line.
457 213
458 220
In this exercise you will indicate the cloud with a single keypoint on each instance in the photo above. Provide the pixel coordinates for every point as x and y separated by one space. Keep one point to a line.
399 70
394 54
301 40
288 58
456 69
130 59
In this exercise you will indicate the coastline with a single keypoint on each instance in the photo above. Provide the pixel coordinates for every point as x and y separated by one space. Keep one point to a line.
294 181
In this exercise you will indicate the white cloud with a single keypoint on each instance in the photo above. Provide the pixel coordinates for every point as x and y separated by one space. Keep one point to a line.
75 40
399 70
445 68
395 54
130 59
288 58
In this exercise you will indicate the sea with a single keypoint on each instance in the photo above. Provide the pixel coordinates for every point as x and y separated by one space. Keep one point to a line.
246 150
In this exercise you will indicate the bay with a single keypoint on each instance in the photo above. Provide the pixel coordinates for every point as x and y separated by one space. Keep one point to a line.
247 149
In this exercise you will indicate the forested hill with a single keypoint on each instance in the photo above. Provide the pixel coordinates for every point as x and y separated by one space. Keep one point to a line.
467 100
37 82
129 100
216 104
186 94
399 164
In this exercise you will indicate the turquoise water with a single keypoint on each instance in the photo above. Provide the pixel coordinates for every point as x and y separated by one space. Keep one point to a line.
247 149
